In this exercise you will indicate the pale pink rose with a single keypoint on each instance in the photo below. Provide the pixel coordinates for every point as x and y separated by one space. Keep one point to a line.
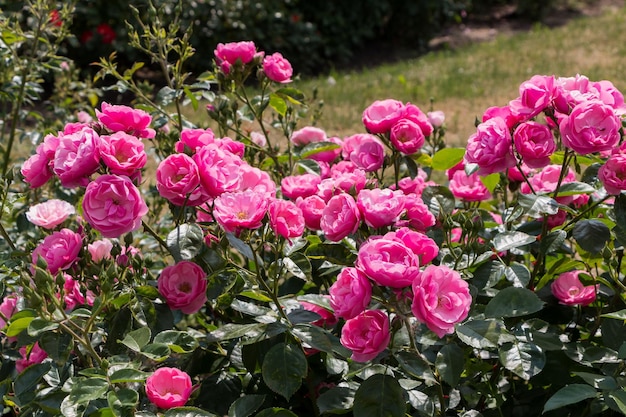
407 137
613 174
340 217
422 246
84 117
368 153
122 153
569 290
312 209
327 318
436 118
240 210
418 216
277 68
592 126
194 139
330 155
60 250
380 207
441 299
304 185
503 113
388 262
381 115
220 170
7 309
257 180
286 218
30 355
168 388
534 143
308 134
366 335
546 180
183 286
77 157
233 52
178 180
100 249
490 147
468 187
416 115
350 294
536 95
50 213
118 118
258 139
113 205
232 146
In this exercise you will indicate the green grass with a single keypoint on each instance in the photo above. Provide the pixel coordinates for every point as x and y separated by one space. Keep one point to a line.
464 82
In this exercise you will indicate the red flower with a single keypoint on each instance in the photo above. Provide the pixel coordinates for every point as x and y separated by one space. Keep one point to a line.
55 18
106 32
86 36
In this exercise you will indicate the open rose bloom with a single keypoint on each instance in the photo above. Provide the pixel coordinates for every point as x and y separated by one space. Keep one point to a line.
168 388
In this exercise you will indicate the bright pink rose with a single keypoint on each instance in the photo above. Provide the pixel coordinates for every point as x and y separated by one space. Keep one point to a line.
73 294
304 185
407 137
610 96
366 335
178 180
30 356
240 210
350 294
436 118
286 218
119 118
388 262
113 205
503 113
381 115
380 207
183 286
569 290
308 134
546 180
220 170
77 157
122 153
37 170
413 113
418 216
7 308
277 68
257 180
534 143
422 246
468 187
168 388
441 298
59 250
327 318
232 146
349 182
232 52
490 147
100 249
340 217
515 174
50 213
536 95
312 208
613 174
365 151
415 185
194 139
571 91
592 126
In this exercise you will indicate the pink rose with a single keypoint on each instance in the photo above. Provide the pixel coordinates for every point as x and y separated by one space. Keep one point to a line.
240 210
168 388
308 134
366 335
330 155
436 118
504 113
286 218
60 250
422 246
571 91
407 137
534 143
610 96
381 115
119 118
536 95
441 298
546 180
232 52
37 170
77 157
30 356
468 187
415 185
258 139
50 213
569 290
178 180
592 126
490 147
327 318
194 139
418 216
113 205
365 151
73 294
100 249
232 146
388 262
312 209
413 113
220 170
349 182
277 68
257 180
613 174
7 309
340 217
350 294
183 286
380 207
122 153
304 185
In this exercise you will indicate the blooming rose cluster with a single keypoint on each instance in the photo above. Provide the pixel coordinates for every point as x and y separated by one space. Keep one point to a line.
234 57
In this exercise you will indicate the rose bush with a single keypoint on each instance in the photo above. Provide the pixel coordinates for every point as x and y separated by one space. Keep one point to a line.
379 274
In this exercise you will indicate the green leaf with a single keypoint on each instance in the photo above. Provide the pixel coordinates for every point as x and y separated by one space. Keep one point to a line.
416 366
292 94
336 400
187 412
538 205
178 342
298 265
592 235
156 351
317 147
552 241
603 382
619 315
450 363
523 359
186 241
88 389
39 325
509 240
491 181
18 326
283 369
379 396
310 166
518 274
481 334
137 339
25 385
318 338
513 302
234 331
619 397
439 199
278 104
240 245
575 188
127 375
246 405
275 412
122 400
192 98
446 158
569 394
57 345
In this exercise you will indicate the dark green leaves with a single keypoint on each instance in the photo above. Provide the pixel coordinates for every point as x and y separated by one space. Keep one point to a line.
513 302
283 368
379 396
569 394
186 241
591 235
